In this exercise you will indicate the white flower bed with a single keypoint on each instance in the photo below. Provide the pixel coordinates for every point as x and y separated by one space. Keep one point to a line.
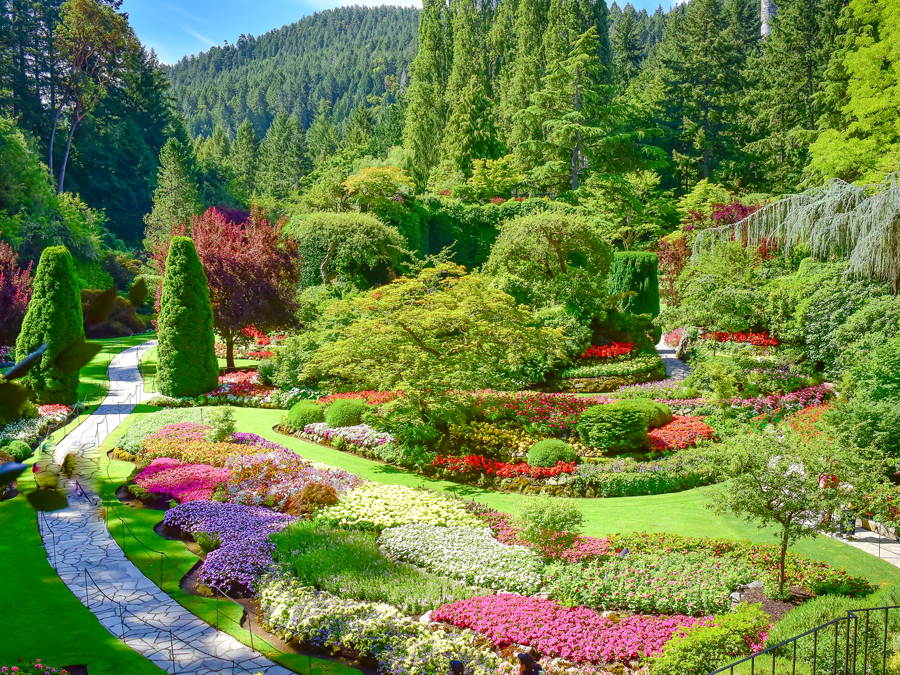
31 430
375 506
360 435
470 554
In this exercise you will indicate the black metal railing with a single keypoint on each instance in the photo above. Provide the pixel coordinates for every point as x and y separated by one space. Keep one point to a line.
855 644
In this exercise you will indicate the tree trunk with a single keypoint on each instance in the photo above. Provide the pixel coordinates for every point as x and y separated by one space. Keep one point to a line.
62 170
53 137
229 350
324 266
784 547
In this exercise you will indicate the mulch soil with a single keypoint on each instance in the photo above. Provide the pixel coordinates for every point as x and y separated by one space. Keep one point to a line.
776 608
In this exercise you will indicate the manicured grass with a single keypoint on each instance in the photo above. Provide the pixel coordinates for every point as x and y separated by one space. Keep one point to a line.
41 618
148 368
683 513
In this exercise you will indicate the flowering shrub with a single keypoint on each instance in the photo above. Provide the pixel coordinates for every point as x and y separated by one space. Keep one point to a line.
613 350
680 433
272 479
360 435
31 431
756 339
542 413
808 421
674 338
369 396
577 634
32 668
56 411
695 583
184 482
245 550
470 554
375 506
401 645
192 451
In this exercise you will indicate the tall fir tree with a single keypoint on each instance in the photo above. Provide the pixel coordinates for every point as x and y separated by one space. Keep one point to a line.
322 137
242 162
283 158
627 46
527 70
176 197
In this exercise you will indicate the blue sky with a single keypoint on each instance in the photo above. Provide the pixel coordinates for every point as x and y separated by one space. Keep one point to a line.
177 28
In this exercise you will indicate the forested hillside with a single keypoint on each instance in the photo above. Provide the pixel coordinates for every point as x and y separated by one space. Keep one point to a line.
347 56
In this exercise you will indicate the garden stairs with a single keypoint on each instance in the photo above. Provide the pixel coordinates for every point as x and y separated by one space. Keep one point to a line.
89 561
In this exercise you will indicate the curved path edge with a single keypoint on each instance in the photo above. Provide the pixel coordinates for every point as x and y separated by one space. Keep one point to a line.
93 566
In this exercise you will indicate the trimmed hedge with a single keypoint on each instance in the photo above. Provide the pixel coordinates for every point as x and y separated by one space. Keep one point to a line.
550 451
656 414
346 412
303 413
613 428
187 354
53 317
635 271
18 450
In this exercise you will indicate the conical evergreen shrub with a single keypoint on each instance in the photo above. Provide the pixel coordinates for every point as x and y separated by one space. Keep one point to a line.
187 364
53 316
635 271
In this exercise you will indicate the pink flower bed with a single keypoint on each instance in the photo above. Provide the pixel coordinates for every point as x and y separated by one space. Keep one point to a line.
184 482
183 431
576 634
584 548
240 377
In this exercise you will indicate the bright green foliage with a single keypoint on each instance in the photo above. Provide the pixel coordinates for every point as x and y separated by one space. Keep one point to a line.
655 414
24 183
701 649
374 186
493 177
345 412
867 328
176 198
613 428
303 413
878 376
635 271
551 451
701 198
354 248
547 521
187 356
322 137
221 424
864 143
283 158
243 162
18 450
53 317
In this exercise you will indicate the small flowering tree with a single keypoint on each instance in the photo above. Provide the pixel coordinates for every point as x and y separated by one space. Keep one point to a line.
15 292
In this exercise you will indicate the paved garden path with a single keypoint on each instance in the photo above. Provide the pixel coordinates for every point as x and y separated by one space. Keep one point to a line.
675 368
91 564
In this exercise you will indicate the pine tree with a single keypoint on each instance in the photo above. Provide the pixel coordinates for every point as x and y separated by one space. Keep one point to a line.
242 161
627 47
322 137
53 317
176 197
360 128
282 158
187 355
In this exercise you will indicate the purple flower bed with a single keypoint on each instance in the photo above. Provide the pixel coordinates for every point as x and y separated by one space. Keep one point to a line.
796 401
246 438
245 550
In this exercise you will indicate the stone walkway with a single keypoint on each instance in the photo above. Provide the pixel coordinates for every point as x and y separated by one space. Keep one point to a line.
879 547
91 564
675 368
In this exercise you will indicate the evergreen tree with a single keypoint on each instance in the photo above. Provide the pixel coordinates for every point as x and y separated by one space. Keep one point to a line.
187 355
627 47
360 128
53 317
242 162
176 197
322 138
283 159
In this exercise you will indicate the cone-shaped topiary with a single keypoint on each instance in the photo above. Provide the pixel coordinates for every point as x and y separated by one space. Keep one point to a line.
54 317
187 355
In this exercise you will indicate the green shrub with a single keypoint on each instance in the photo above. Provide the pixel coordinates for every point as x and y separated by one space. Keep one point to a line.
656 414
303 413
208 543
613 427
187 356
701 649
540 517
53 317
877 376
635 271
345 412
221 424
92 275
18 450
139 492
551 451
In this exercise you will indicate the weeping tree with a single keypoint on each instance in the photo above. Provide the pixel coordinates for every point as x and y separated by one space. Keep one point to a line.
858 222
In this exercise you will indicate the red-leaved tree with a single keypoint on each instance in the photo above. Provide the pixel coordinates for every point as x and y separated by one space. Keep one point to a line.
15 292
251 270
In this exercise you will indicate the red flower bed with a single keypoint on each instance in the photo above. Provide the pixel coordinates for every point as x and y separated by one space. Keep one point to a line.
610 351
480 464
758 339
371 396
681 432
260 355
807 422
555 411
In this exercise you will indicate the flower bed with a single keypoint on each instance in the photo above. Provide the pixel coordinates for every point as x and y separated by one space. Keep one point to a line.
34 429
810 396
32 668
661 390
682 432
674 338
245 550
359 436
577 634
183 482
615 350
375 506
649 365
476 464
694 583
756 339
539 412
369 396
469 554
195 451
273 478
808 421
401 646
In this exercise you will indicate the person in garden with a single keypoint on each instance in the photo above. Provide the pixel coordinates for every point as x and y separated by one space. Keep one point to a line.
457 668
527 664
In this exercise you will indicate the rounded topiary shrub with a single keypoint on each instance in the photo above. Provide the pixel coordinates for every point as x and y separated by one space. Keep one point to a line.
656 414
303 413
345 412
550 451
18 450
186 352
613 428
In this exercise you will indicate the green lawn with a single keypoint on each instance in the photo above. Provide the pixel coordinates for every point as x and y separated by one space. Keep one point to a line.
41 618
148 368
